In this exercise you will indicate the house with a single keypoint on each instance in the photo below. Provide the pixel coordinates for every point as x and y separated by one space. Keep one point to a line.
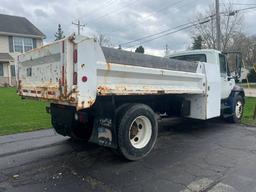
17 35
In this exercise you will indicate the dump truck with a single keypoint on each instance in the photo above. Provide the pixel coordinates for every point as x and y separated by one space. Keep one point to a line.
114 97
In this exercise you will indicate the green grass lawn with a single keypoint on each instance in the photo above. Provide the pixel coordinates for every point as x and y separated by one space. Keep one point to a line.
19 115
250 103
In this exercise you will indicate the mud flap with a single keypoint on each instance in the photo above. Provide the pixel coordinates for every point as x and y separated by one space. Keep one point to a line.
103 132
62 118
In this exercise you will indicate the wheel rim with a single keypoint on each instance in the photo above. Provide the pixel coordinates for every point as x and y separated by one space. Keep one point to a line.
239 109
140 132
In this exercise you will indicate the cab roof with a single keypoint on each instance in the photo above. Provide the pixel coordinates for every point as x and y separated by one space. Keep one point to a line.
192 52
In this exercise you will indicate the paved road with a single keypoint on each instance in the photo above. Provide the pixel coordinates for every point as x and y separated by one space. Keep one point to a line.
189 156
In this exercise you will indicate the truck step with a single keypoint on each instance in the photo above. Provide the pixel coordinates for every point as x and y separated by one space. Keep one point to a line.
223 107
227 115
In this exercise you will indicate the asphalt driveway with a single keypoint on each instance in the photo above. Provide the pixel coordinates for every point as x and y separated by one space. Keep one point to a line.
189 156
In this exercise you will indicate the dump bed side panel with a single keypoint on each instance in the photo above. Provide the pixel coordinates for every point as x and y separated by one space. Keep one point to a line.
46 72
128 73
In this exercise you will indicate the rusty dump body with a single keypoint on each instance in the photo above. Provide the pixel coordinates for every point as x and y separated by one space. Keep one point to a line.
110 96
76 70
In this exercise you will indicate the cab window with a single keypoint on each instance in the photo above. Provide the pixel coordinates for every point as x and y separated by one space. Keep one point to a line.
192 57
223 64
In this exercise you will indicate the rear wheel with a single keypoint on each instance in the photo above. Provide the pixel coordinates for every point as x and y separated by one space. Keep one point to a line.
137 131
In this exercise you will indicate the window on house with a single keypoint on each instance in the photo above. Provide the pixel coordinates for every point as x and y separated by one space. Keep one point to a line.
1 69
22 44
13 70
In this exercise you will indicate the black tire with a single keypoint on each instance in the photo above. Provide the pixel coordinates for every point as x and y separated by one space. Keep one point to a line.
81 132
128 115
238 103
77 131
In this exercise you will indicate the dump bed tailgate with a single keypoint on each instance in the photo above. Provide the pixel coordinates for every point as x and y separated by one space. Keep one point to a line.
47 72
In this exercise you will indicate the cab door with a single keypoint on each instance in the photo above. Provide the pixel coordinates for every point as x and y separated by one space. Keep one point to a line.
227 83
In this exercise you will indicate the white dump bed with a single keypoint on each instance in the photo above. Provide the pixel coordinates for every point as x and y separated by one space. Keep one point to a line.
76 70
43 72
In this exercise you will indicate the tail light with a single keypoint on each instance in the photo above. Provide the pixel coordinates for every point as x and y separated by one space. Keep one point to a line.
75 56
75 61
84 79
75 78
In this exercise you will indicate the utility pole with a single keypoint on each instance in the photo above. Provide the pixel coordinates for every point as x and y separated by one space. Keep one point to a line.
166 50
79 26
218 32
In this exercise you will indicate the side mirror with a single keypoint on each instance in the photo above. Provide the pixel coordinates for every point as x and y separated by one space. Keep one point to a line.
238 65
235 63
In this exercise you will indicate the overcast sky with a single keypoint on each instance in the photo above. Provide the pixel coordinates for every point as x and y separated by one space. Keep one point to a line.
121 20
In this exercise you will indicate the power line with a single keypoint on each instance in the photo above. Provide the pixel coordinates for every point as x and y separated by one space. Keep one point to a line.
154 13
168 30
165 32
109 13
232 13
148 36
108 3
172 32
243 3
247 8
166 6
120 10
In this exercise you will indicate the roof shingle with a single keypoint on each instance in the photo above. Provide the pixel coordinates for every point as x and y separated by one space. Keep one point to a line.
18 25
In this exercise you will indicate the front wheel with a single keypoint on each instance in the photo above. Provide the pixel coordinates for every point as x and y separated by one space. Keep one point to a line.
238 109
137 131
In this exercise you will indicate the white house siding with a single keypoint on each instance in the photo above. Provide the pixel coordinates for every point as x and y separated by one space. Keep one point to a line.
5 80
39 42
4 44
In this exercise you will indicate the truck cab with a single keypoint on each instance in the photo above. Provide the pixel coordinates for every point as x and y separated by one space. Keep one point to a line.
214 57
229 90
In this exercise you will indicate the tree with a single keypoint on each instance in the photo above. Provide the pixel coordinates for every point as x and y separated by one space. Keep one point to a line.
231 24
197 44
247 46
102 39
59 34
139 49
